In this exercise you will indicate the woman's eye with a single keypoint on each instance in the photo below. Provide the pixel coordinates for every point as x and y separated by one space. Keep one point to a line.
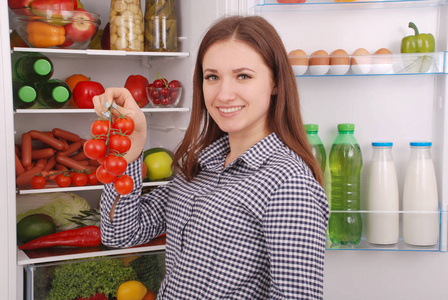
243 76
211 77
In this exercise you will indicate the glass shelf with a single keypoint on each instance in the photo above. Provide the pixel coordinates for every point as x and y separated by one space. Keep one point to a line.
273 5
83 111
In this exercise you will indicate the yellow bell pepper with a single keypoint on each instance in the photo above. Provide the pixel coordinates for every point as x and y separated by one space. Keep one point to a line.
43 35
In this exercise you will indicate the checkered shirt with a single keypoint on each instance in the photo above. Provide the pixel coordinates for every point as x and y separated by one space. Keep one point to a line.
252 230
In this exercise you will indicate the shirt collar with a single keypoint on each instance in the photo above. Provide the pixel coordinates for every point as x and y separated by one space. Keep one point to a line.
213 157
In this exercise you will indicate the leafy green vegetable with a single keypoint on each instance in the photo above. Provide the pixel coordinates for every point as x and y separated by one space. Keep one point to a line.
87 218
82 279
60 206
150 270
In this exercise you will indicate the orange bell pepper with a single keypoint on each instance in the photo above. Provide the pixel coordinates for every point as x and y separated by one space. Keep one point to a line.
43 35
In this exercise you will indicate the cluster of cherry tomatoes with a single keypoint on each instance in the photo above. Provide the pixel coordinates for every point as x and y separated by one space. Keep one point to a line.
162 92
109 144
65 178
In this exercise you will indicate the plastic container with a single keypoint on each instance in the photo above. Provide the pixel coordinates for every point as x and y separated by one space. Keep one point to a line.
420 195
160 26
382 195
34 67
24 94
345 163
126 25
54 93
317 147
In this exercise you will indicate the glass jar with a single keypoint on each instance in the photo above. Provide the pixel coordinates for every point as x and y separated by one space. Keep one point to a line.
126 25
160 26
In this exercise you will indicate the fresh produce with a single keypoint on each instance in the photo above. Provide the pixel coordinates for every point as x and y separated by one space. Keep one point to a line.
44 35
72 80
83 279
16 4
150 270
60 206
164 93
35 226
419 42
136 84
84 92
158 163
131 290
82 28
16 40
56 6
160 26
88 236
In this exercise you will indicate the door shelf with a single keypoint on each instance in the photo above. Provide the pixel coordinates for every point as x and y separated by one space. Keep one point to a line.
83 111
438 219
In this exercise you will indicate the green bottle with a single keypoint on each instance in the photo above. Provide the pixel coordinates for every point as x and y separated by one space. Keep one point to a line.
345 163
317 147
24 94
53 93
34 67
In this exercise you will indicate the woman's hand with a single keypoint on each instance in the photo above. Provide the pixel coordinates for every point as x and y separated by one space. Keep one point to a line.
126 105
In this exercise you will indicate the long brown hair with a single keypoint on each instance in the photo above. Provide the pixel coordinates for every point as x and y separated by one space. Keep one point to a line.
284 113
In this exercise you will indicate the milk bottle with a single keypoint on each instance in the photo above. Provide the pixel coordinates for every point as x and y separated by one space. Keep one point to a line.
382 195
420 195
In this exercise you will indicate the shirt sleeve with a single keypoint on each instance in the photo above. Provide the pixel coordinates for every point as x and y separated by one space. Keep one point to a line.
137 219
295 223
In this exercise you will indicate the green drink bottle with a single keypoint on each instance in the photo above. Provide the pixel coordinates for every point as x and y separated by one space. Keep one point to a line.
345 162
54 93
34 67
24 94
317 147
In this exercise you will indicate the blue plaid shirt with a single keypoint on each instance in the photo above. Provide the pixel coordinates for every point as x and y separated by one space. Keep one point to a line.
252 230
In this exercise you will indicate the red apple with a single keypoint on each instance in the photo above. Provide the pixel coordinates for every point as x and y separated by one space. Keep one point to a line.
82 28
14 4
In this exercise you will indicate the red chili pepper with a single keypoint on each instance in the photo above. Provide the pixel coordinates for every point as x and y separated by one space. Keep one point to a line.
88 236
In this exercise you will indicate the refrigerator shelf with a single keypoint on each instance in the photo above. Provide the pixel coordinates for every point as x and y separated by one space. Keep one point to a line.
273 5
83 111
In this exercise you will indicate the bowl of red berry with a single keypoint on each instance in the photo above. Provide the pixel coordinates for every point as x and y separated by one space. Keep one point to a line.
162 93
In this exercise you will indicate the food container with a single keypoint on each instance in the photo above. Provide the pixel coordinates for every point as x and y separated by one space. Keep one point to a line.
55 29
126 25
160 26
164 97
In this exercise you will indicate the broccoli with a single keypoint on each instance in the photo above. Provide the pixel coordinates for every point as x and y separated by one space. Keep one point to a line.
81 279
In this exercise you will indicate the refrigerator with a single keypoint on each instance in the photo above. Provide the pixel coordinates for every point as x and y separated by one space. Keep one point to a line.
399 105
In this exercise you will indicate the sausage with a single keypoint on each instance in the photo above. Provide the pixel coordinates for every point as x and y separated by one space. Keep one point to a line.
70 163
41 162
42 153
19 168
94 162
66 135
72 148
51 162
26 150
47 139
79 156
60 167
26 177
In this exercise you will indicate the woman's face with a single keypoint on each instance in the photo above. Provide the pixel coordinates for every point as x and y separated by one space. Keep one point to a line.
237 88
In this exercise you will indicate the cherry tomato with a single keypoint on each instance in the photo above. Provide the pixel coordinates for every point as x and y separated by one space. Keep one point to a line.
80 179
124 184
100 128
95 148
115 165
125 124
38 182
104 176
120 143
63 180
91 178
174 84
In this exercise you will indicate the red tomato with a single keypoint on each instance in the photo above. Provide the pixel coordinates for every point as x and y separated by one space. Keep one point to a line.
136 84
95 148
80 179
125 124
104 176
124 184
38 182
115 165
84 92
100 128
174 84
91 178
120 143
63 180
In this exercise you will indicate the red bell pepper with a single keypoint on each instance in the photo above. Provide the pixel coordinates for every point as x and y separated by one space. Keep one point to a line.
88 236
136 84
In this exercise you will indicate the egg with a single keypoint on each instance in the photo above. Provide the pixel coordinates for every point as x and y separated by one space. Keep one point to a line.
299 61
339 62
382 61
361 61
319 62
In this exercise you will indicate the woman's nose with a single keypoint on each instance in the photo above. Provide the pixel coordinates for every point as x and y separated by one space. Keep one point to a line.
226 91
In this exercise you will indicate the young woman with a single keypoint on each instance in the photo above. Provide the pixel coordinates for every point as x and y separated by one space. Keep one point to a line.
245 217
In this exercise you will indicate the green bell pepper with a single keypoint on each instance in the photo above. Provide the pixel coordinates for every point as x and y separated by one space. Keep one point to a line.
418 43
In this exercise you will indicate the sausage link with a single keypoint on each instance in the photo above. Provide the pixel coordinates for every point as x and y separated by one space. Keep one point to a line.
72 148
26 177
42 153
47 139
66 135
50 163
26 150
70 163
19 168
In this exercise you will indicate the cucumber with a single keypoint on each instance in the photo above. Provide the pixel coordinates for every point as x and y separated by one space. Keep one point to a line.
34 226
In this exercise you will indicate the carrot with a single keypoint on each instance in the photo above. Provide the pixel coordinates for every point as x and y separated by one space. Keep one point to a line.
70 163
51 162
19 168
26 177
47 139
72 148
26 150
42 153
66 135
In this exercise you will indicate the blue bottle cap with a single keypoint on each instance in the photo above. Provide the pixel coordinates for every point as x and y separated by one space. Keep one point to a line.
420 144
382 144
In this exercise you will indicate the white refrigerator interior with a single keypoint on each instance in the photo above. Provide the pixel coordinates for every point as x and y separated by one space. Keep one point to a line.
397 106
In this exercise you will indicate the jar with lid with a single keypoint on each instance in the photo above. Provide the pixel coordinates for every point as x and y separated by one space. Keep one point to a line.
160 26
126 25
